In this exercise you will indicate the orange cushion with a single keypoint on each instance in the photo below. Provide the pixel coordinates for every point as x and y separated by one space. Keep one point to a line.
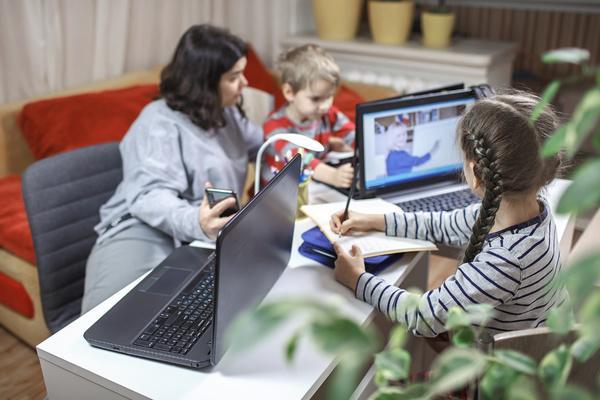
15 235
56 125
346 100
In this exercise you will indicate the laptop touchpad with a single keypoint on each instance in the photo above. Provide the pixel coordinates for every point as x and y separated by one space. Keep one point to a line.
169 280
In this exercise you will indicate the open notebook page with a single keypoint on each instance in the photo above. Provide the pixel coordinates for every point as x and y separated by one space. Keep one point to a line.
371 243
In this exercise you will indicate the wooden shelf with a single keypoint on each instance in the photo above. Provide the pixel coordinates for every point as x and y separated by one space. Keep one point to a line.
411 66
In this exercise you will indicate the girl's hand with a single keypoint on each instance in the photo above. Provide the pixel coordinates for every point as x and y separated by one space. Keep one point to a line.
356 221
348 267
209 218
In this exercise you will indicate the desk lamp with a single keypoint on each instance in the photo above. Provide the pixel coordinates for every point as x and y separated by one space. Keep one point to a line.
295 138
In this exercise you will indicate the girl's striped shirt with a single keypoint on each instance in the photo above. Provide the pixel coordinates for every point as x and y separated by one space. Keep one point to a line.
515 272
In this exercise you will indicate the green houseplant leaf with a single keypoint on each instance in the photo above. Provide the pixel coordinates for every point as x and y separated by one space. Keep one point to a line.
345 377
463 337
584 192
412 392
570 55
249 328
337 334
393 364
291 346
479 314
522 389
516 361
455 368
561 319
555 367
398 337
580 278
569 392
457 318
582 121
546 98
555 142
585 347
496 381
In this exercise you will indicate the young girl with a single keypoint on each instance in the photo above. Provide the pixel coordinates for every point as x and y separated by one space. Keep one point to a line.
512 258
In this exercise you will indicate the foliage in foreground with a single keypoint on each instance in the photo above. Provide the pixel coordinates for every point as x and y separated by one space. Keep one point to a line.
500 374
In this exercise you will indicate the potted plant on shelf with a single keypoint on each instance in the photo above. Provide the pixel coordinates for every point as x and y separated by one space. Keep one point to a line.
337 19
437 24
391 20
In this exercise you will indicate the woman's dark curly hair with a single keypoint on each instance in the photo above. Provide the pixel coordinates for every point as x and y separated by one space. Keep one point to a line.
497 135
190 82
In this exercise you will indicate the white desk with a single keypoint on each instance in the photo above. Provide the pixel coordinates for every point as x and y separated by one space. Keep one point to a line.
74 370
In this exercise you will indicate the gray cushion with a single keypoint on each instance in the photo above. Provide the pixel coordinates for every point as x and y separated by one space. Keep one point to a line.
62 196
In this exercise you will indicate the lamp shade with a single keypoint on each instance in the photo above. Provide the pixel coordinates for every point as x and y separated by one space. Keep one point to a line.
294 138
300 141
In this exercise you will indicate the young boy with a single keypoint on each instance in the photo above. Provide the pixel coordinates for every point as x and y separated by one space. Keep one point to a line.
309 79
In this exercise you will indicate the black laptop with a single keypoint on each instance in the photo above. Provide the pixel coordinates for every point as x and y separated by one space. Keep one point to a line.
390 103
179 313
408 150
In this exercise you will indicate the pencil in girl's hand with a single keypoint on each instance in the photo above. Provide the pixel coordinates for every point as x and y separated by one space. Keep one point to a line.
350 194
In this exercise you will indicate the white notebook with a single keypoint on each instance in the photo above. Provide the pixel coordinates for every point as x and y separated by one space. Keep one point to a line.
371 243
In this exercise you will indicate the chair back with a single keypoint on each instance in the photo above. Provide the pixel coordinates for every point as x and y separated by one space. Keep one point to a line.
62 197
537 342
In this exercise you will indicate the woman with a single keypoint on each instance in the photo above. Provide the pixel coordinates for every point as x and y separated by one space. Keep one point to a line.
194 136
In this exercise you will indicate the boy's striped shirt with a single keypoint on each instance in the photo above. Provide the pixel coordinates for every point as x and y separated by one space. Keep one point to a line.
333 124
516 272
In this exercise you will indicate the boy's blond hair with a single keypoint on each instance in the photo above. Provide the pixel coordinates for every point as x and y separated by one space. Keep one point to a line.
301 66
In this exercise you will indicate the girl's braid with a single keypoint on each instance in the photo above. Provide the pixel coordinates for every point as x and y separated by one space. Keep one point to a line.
487 170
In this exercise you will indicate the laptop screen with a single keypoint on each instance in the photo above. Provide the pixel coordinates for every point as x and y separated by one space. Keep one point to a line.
410 142
253 250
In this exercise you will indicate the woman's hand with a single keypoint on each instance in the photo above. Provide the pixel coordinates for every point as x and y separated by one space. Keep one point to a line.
209 218
356 221
348 266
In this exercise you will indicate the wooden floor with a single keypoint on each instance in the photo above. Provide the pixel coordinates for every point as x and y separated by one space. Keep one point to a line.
21 375
20 372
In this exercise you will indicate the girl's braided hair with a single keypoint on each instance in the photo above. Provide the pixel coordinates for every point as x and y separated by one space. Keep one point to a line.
498 137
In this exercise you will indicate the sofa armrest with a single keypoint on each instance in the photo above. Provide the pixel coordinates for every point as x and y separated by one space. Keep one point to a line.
15 155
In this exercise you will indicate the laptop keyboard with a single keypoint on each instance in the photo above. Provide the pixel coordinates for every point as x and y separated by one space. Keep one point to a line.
441 202
185 319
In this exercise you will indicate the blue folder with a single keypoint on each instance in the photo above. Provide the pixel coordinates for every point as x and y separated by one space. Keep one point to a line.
317 247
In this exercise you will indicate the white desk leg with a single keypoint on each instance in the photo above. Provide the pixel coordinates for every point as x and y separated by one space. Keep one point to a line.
64 385
366 387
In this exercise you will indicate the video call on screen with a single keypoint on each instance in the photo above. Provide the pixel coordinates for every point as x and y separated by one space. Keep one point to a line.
403 145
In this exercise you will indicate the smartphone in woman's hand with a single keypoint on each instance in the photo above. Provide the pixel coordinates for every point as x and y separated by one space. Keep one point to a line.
214 196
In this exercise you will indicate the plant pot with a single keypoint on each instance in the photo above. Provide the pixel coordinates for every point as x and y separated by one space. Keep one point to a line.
391 22
337 19
437 28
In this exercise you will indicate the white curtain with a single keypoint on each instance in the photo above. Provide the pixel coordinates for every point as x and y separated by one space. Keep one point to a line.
49 45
